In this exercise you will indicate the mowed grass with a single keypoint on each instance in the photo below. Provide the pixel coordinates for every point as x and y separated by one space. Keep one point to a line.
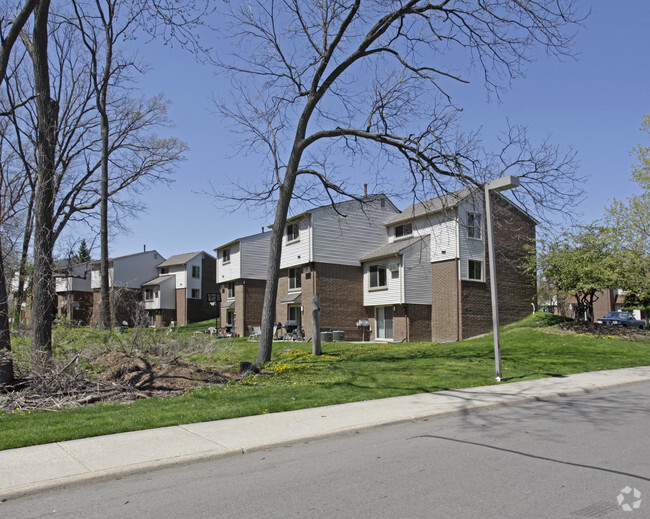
344 373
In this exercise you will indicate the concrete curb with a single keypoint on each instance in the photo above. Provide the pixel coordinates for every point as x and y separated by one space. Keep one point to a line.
34 469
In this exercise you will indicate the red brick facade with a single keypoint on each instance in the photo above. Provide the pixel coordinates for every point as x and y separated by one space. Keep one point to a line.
340 288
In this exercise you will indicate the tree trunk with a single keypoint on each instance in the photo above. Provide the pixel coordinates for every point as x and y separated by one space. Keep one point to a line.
47 112
104 291
6 362
24 256
275 251
315 325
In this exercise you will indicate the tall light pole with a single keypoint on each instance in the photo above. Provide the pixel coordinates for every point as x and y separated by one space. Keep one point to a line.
500 184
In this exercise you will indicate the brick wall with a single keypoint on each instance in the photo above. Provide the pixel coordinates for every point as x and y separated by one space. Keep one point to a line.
181 306
419 319
340 288
249 300
516 289
200 309
445 315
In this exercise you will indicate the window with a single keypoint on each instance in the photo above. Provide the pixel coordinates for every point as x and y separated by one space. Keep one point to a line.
164 270
196 271
225 256
378 276
475 270
148 294
293 232
295 275
230 286
196 293
474 225
403 230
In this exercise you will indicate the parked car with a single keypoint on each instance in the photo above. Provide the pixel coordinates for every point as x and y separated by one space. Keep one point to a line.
626 319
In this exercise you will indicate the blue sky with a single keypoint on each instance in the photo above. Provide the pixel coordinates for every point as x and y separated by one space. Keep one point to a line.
594 104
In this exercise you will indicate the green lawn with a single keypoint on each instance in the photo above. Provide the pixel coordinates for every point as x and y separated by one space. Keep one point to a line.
344 373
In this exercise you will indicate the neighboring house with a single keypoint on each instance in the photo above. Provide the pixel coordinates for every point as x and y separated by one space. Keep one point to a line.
321 253
178 293
242 266
126 274
431 282
73 291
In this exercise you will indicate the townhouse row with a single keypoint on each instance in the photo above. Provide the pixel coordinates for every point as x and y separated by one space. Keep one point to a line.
145 289
382 274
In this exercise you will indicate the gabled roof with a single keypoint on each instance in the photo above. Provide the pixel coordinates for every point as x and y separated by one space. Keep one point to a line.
391 249
97 262
435 205
159 280
179 259
340 206
238 240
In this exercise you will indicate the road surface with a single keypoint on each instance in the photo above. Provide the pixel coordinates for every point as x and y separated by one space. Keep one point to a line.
572 457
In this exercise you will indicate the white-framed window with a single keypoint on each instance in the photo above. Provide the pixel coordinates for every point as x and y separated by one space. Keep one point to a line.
230 287
196 293
293 232
295 314
474 227
378 276
405 229
196 271
295 278
475 270
225 256
148 294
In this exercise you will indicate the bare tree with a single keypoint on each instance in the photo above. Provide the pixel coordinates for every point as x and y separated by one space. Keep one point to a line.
323 82
12 188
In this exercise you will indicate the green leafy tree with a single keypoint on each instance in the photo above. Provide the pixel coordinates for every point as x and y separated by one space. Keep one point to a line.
83 254
629 229
580 263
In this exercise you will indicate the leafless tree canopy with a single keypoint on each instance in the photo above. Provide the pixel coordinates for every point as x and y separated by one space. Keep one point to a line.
343 83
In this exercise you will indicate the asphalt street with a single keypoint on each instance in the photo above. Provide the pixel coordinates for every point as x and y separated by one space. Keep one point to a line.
566 457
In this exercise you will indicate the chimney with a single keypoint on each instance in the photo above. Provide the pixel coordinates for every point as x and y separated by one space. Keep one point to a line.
145 248
365 190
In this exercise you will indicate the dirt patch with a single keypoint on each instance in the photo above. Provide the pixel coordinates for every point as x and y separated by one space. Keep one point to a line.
600 330
122 378
170 374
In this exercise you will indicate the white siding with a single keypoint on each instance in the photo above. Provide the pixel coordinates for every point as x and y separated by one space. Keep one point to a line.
231 270
297 252
470 248
444 240
416 272
343 240
392 295
191 282
442 229
164 296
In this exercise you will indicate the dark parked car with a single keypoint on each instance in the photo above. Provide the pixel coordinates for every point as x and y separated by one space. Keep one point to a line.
626 319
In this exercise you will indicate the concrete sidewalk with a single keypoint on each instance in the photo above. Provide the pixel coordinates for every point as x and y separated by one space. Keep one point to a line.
33 469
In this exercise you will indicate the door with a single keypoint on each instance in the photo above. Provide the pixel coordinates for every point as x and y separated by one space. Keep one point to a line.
384 319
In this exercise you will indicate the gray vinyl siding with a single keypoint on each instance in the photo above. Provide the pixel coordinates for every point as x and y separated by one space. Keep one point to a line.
343 240
416 272
255 256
